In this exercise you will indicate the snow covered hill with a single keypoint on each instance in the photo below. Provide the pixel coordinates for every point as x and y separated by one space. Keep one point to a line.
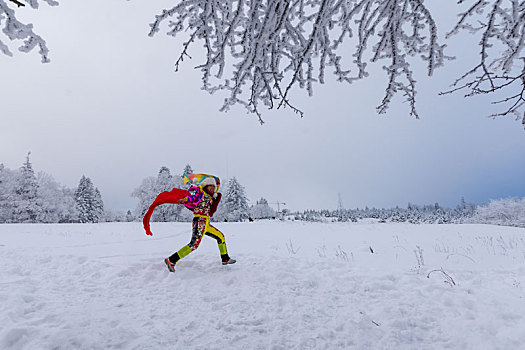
296 286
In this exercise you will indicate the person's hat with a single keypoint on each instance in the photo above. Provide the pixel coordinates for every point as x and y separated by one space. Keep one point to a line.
208 181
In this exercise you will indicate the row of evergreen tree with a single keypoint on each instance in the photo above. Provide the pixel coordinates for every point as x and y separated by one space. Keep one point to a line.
26 197
415 214
506 212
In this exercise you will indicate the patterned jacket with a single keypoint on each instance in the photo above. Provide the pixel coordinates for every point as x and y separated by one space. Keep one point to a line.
201 203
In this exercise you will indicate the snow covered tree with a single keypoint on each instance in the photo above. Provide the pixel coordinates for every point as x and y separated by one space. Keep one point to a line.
25 197
261 210
187 170
7 194
166 182
398 215
441 216
70 212
58 203
413 214
146 194
98 204
129 216
27 206
235 202
148 191
88 201
15 30
464 211
509 212
113 216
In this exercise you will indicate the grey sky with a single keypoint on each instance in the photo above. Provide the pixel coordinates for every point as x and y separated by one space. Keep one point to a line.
109 106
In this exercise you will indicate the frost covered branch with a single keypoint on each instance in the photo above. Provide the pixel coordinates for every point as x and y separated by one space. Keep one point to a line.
501 66
16 30
259 51
18 3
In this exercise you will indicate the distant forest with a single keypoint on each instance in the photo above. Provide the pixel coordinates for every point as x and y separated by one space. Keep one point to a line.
29 197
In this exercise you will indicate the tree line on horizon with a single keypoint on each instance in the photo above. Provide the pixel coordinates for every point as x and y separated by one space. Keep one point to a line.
27 197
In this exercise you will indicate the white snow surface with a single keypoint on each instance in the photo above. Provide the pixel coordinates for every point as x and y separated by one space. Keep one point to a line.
296 285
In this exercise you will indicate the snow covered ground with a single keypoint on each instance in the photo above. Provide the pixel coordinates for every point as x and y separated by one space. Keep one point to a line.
296 286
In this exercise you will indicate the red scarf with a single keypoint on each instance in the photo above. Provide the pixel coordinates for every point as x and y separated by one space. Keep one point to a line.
172 197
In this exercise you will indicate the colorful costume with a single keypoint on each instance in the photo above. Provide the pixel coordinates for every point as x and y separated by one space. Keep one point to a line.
203 206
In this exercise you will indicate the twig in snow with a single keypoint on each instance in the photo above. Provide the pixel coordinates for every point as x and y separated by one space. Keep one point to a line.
448 279
374 322
340 253
463 255
322 252
291 249
419 257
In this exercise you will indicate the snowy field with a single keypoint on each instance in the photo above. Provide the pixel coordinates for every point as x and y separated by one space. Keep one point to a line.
296 286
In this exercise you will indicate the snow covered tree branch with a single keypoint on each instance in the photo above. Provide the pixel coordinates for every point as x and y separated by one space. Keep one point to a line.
260 50
18 3
501 66
15 30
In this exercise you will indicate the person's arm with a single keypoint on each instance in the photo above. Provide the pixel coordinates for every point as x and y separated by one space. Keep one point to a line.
191 200
215 203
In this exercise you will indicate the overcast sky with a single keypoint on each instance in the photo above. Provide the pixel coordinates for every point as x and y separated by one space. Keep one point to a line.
109 106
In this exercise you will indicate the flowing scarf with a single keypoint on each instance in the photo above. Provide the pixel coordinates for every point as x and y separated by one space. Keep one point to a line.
172 197
175 195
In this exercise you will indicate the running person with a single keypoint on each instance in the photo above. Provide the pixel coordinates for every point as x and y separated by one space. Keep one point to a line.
203 204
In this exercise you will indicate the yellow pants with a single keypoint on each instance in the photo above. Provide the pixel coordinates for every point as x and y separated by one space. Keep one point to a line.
201 226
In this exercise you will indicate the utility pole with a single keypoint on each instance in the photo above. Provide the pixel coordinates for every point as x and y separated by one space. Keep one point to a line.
278 206
340 207
227 174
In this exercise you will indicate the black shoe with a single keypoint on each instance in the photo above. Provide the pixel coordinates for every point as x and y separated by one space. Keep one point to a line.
229 261
170 265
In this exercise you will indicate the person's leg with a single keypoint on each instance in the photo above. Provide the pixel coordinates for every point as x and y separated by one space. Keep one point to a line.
221 242
198 227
